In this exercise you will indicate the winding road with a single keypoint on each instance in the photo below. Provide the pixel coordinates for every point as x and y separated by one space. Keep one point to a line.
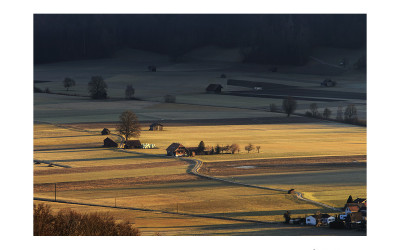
196 165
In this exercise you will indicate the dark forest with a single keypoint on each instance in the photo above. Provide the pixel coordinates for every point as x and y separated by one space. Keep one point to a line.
262 38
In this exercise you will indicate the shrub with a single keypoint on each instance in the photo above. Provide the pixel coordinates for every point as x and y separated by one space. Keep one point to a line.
170 99
308 113
71 223
273 107
37 90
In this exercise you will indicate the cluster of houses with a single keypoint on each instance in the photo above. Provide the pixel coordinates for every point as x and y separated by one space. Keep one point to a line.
130 144
354 216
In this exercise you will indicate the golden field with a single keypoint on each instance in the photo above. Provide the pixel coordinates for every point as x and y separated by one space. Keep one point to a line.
145 178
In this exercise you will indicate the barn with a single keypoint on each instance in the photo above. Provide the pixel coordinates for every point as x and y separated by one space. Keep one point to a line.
133 144
109 143
177 149
156 127
214 88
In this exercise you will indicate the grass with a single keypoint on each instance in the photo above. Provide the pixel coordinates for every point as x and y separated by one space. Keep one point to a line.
188 195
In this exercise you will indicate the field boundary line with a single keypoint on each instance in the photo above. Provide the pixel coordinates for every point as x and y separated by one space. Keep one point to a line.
198 164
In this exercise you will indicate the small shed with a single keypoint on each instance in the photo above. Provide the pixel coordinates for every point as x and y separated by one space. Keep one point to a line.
105 131
177 149
214 88
109 143
156 127
133 144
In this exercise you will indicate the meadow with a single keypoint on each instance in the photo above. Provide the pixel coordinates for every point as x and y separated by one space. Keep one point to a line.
146 178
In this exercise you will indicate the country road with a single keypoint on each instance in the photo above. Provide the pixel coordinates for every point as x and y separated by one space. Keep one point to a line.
196 165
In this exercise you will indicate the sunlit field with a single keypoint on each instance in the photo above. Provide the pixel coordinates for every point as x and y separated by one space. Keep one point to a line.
146 178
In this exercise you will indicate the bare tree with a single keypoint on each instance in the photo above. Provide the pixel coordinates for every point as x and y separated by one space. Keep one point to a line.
68 82
289 105
327 113
128 125
129 91
258 149
249 148
234 148
314 109
350 114
339 114
97 88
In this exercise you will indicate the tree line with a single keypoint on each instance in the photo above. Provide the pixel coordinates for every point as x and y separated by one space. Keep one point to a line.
262 38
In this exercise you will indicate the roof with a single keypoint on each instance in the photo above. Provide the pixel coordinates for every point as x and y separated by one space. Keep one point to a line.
353 208
174 146
109 140
156 124
360 200
133 143
213 87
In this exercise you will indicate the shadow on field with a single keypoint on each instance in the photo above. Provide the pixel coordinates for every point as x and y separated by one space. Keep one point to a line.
270 213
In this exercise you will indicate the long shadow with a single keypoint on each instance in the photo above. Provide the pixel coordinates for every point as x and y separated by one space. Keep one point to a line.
269 213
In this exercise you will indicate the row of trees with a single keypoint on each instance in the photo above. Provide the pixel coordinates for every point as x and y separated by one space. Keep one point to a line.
233 148
349 115
97 87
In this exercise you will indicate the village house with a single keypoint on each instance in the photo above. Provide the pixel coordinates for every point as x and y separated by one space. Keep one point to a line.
109 143
214 88
324 219
156 127
129 144
177 149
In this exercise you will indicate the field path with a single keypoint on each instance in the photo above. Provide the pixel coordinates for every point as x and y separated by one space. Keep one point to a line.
198 164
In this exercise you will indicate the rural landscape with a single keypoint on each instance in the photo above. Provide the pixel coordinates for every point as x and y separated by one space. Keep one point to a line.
198 128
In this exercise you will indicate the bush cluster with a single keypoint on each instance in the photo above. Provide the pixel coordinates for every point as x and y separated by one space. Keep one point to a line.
71 223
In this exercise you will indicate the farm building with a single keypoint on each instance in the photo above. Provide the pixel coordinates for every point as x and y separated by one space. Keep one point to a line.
105 131
354 207
177 149
214 88
133 144
156 127
110 143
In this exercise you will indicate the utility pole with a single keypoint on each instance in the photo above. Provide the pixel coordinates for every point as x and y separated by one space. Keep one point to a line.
55 191
115 203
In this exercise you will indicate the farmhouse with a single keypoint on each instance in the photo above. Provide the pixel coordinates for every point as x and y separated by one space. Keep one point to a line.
177 149
156 127
214 88
133 144
110 143
105 131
